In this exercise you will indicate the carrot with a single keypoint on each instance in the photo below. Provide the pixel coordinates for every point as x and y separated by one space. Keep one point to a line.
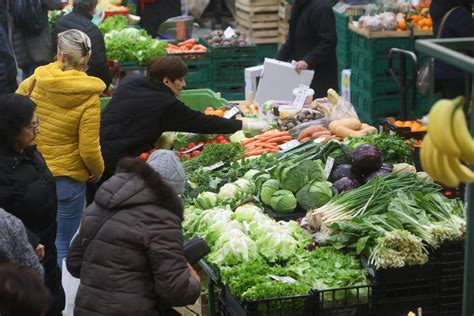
281 139
276 134
248 141
255 152
269 146
191 41
173 46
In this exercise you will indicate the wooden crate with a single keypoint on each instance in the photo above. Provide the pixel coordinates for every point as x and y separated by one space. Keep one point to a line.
258 22
262 20
251 3
284 10
261 36
384 34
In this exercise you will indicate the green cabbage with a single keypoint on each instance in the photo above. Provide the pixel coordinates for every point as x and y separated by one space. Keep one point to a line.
249 175
314 169
293 177
268 188
260 179
206 200
283 201
314 195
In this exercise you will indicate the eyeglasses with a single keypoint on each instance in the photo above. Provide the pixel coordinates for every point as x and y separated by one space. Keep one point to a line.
34 126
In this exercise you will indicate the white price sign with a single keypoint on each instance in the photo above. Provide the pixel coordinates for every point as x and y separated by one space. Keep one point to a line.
284 279
214 166
290 144
328 167
231 113
319 140
190 150
229 32
300 97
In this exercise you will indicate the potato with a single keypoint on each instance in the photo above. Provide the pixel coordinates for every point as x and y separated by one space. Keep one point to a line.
350 123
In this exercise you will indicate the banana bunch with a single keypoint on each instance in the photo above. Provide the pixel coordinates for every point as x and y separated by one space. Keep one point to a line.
333 97
447 144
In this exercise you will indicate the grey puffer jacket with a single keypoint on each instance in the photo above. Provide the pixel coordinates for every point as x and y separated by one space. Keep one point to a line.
135 265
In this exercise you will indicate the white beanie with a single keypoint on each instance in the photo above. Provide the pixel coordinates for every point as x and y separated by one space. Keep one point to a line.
167 164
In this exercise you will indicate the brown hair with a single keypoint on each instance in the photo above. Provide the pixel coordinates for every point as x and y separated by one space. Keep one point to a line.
22 292
172 67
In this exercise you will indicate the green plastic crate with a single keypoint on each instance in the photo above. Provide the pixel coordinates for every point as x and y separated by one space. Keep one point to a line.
104 101
230 52
199 66
344 39
377 66
374 86
370 110
200 99
230 71
231 92
379 47
266 51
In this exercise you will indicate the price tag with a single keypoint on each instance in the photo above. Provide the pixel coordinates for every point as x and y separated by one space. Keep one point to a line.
319 140
229 32
190 150
290 144
300 97
328 167
284 279
380 129
231 113
214 166
246 227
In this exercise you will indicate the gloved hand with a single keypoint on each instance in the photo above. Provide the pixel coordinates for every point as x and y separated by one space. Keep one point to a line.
256 125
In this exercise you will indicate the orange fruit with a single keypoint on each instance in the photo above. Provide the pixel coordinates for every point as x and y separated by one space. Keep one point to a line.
398 123
429 22
421 23
426 28
408 123
402 25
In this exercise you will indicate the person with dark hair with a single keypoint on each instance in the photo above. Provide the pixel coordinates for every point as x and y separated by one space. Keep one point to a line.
33 50
312 43
27 187
69 107
22 292
145 107
449 80
14 245
80 19
129 249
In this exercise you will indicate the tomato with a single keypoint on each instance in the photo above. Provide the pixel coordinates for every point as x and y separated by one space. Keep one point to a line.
191 145
219 137
213 141
195 153
223 141
152 150
144 156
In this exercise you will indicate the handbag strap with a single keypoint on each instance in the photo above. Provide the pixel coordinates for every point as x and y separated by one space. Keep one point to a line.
33 84
96 230
443 21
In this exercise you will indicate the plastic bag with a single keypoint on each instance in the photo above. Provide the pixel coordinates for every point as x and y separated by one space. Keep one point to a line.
343 109
295 131
29 15
305 115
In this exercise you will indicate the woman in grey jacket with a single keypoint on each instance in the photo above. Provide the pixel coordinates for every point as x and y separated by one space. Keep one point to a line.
128 253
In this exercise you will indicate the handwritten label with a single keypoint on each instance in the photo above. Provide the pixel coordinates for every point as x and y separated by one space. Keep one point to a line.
300 97
284 279
231 113
229 32
214 166
328 167
289 145
190 150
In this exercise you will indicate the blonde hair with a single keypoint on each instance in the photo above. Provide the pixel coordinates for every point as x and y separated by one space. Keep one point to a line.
76 47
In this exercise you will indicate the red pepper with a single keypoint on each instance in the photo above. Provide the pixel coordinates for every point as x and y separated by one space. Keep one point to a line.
195 153
144 156
191 145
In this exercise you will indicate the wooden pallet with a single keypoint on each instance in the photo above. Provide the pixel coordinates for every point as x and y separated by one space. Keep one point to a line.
257 20
251 3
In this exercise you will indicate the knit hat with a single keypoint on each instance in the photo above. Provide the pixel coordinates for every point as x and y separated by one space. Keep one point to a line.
167 164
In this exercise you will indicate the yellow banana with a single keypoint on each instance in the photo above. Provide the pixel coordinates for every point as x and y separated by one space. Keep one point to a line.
333 97
425 156
445 174
462 136
464 174
440 127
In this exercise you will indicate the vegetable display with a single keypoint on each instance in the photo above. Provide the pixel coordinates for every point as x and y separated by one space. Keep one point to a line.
188 46
217 39
265 143
114 23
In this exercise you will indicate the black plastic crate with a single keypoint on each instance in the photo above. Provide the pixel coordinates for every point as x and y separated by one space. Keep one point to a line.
348 301
298 213
427 271
302 305
403 132
401 307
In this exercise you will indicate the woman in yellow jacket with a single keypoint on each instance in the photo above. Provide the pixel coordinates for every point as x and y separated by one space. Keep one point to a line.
68 107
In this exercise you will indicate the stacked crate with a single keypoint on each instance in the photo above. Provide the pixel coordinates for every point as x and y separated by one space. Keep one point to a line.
374 93
284 12
258 19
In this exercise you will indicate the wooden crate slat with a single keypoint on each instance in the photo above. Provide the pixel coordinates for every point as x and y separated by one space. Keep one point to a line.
265 25
257 2
242 15
257 9
384 34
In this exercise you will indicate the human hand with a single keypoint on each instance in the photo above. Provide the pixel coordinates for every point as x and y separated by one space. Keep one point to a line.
256 125
301 65
39 251
193 273
94 179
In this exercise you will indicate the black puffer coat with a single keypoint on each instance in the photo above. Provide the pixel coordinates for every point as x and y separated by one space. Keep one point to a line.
28 191
140 111
135 265
312 38
81 21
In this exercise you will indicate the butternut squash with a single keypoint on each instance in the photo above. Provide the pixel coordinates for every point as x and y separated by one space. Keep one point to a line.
350 123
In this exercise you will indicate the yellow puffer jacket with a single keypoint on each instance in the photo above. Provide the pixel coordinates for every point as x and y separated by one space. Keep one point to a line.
68 107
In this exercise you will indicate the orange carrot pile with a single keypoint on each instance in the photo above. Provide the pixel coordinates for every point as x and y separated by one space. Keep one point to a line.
188 46
265 143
